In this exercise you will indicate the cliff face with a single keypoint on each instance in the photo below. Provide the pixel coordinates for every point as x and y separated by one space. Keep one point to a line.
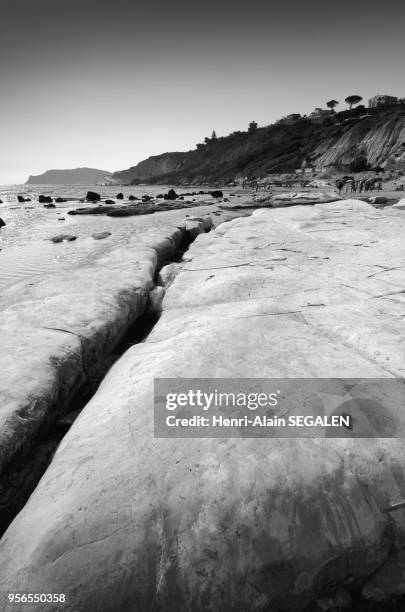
151 167
342 141
381 142
76 176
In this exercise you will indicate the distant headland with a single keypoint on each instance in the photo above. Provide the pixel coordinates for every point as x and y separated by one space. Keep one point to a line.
76 176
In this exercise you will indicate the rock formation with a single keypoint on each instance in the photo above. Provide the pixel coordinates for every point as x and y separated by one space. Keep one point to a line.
45 199
153 166
92 196
124 520
52 332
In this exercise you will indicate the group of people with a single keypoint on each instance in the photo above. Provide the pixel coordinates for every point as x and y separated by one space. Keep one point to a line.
250 184
352 186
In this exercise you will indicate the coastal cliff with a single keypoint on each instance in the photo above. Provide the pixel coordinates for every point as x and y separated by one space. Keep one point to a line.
350 141
76 176
151 167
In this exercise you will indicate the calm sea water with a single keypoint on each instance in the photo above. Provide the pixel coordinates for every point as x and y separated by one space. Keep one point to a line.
25 249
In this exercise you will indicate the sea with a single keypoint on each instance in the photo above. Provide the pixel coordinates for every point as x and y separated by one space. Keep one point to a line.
26 251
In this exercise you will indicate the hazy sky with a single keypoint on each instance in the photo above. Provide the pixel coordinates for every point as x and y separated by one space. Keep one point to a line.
107 83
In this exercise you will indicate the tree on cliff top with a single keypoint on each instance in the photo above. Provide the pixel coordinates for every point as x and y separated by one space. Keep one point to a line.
331 104
214 135
353 100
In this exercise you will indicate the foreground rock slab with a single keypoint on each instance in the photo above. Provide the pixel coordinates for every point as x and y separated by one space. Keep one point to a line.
54 330
122 520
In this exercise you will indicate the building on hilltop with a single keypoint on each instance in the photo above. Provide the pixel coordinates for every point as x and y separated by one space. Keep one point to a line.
290 118
319 114
382 100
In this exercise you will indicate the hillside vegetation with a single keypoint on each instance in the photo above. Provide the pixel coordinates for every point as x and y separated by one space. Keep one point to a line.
354 140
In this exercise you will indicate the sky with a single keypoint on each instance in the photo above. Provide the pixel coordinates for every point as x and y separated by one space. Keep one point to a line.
105 84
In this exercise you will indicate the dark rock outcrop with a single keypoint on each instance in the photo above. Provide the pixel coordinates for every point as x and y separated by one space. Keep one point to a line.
63 238
92 196
171 195
109 202
21 199
2 223
217 194
120 196
132 198
60 200
45 199
49 206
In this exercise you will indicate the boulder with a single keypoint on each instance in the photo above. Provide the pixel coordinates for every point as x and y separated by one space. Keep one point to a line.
109 202
92 196
378 200
63 238
2 223
120 196
171 195
146 198
49 206
216 194
132 198
60 200
1 201
45 199
21 199
100 235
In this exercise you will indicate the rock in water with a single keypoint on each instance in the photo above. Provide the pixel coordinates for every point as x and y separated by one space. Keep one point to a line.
109 202
131 197
92 196
63 238
49 206
100 235
45 199
120 196
21 199
171 195
60 200
2 223
216 194
1 201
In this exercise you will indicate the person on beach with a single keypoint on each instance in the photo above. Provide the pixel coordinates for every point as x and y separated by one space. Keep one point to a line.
339 186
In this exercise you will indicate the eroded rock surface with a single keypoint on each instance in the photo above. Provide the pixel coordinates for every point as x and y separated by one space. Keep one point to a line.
122 520
53 330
